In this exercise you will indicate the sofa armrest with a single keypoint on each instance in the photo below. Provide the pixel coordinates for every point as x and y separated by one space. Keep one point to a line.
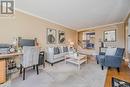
50 53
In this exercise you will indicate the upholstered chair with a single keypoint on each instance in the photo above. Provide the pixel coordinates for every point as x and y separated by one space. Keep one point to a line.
29 59
112 60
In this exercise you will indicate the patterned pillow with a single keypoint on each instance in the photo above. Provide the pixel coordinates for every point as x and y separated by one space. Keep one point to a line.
65 49
56 50
111 51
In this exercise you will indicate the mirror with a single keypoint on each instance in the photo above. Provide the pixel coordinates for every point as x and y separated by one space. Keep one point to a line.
110 36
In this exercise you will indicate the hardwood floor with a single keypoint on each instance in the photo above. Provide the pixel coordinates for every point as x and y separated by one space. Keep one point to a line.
124 74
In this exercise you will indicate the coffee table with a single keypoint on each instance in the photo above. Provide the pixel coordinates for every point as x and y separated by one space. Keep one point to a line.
78 60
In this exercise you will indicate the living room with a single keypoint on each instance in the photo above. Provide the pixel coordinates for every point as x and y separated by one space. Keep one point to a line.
61 44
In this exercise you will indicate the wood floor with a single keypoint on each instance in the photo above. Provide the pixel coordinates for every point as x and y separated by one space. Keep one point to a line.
124 74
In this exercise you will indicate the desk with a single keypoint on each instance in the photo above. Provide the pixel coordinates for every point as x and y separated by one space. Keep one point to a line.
3 66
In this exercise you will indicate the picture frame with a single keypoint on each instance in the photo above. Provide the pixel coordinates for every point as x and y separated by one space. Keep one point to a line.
90 40
61 37
110 36
51 36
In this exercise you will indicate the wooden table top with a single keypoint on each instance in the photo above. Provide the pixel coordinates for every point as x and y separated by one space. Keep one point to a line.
4 56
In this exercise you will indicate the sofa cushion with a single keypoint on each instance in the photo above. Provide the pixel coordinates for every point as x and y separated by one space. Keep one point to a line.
58 56
56 50
60 49
111 51
65 49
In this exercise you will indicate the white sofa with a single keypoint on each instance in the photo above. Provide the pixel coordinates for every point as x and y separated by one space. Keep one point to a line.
56 54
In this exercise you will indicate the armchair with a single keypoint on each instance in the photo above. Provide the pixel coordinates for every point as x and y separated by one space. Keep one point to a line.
112 60
29 59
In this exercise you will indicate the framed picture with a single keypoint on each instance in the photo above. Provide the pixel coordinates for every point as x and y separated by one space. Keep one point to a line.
51 36
61 37
110 36
89 40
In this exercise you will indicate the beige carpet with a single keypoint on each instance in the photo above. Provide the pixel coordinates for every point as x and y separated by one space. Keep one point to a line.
64 75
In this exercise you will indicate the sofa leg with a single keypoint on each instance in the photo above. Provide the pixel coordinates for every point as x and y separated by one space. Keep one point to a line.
44 65
109 67
51 64
97 62
23 73
102 67
118 69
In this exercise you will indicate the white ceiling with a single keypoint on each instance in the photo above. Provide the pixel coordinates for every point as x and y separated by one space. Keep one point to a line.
78 14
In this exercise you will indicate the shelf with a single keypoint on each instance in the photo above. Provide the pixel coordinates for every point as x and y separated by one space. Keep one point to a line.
15 70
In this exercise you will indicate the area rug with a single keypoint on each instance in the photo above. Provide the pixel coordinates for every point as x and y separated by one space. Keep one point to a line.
64 75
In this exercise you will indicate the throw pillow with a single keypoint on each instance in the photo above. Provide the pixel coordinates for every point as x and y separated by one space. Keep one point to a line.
56 50
111 51
65 49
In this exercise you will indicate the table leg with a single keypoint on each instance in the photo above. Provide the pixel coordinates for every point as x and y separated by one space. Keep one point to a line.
65 59
78 66
86 59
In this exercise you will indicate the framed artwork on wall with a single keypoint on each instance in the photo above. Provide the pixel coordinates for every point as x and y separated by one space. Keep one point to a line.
51 36
110 36
89 40
61 37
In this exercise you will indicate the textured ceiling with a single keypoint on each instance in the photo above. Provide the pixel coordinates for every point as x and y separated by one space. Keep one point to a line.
77 14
